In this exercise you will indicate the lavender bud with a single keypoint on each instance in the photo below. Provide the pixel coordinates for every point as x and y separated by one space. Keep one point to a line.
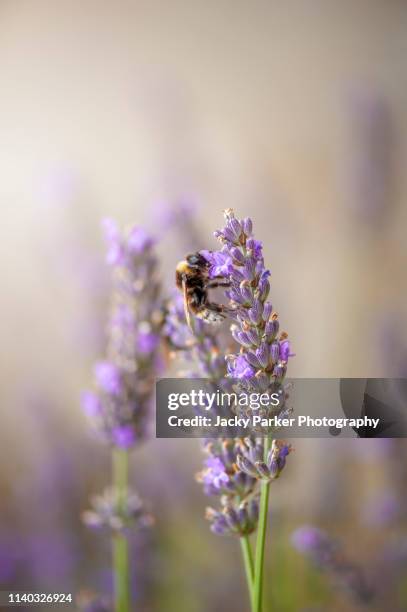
229 234
255 312
246 466
235 227
275 352
253 360
232 518
249 269
264 290
235 296
279 371
246 292
236 275
244 339
242 518
285 350
273 468
253 336
267 310
253 510
247 226
237 255
263 470
262 355
271 329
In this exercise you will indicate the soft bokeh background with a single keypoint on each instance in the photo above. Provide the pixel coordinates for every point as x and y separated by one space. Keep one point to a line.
294 113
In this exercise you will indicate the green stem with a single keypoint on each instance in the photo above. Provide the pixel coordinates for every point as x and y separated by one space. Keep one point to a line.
120 544
261 539
248 565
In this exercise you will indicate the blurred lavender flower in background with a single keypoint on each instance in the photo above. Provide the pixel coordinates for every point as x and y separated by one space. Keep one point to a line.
371 164
124 381
107 512
315 543
204 345
326 554
382 509
119 407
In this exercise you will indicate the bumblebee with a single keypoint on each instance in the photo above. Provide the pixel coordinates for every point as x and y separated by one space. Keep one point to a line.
192 278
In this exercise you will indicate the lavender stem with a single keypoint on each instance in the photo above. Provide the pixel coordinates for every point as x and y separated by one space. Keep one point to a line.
261 538
120 458
248 564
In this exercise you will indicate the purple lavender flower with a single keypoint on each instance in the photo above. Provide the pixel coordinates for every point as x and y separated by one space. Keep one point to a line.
203 345
221 475
251 458
237 491
314 543
382 509
326 553
235 468
230 520
108 377
138 241
221 263
108 512
261 363
115 252
91 404
256 328
240 368
124 436
124 381
215 475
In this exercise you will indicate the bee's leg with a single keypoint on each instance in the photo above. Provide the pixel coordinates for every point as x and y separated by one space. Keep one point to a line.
219 310
214 284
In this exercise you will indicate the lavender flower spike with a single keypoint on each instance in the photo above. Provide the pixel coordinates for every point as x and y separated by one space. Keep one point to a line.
124 386
326 554
237 491
264 352
259 366
221 477
124 380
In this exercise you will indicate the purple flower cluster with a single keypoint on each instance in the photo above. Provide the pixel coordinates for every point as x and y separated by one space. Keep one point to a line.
327 555
237 490
250 458
221 476
124 381
234 468
202 345
264 352
107 512
315 543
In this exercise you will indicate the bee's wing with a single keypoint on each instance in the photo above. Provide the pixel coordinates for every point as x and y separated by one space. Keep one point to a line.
186 308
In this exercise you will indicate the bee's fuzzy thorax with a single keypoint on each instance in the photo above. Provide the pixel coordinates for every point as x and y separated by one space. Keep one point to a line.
182 266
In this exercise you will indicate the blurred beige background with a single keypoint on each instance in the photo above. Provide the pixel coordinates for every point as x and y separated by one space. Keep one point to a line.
294 113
